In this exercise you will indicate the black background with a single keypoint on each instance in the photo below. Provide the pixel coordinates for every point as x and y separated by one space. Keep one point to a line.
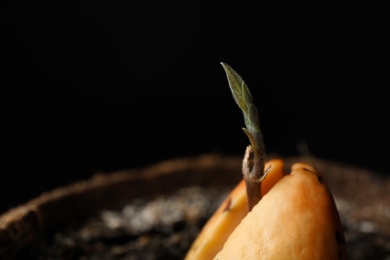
91 86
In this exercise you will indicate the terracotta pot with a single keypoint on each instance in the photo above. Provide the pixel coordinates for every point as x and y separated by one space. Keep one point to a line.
22 226
364 192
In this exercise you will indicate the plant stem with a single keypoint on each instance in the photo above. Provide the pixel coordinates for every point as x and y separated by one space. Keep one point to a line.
254 157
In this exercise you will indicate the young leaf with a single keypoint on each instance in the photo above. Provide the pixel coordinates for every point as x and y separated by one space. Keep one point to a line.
254 159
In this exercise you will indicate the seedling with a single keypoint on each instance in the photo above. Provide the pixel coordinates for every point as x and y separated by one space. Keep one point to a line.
254 158
270 214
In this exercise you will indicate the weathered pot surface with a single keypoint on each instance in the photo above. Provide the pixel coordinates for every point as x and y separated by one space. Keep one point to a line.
361 196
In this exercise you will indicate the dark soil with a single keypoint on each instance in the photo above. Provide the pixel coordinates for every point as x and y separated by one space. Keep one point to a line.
155 228
163 227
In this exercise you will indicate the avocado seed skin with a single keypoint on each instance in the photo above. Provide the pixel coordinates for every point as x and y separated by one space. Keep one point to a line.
296 219
229 214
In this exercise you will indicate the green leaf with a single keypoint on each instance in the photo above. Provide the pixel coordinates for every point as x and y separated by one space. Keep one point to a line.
244 100
238 87
254 158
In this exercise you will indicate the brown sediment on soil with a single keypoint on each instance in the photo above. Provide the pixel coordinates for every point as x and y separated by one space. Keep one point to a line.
156 212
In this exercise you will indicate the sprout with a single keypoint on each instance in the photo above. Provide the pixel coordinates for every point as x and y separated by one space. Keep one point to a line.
254 158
